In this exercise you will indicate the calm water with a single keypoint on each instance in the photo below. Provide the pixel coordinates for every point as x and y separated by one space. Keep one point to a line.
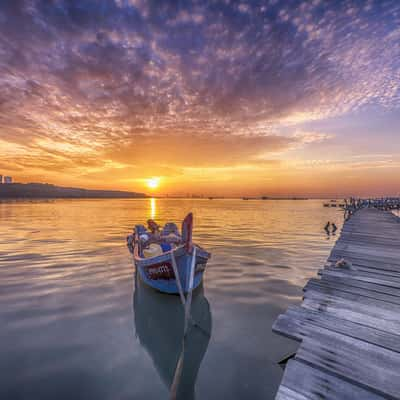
76 324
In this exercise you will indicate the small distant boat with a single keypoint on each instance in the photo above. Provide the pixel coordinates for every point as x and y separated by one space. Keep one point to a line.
167 260
333 203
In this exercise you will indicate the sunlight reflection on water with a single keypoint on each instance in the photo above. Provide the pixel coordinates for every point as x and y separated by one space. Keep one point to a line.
67 289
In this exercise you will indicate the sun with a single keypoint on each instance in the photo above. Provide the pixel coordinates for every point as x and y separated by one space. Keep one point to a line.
153 183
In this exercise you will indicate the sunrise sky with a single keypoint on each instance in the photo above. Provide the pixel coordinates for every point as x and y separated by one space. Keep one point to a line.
228 98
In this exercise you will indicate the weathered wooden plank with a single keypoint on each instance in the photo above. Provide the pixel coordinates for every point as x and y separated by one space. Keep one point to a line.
357 313
373 253
364 238
366 224
303 382
374 270
373 287
348 240
367 274
362 363
367 250
328 286
365 230
285 393
366 264
385 309
383 256
298 322
367 260
343 273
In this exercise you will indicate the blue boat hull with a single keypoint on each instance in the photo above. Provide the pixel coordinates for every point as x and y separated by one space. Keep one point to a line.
158 272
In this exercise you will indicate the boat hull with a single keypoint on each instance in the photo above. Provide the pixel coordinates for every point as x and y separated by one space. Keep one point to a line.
158 272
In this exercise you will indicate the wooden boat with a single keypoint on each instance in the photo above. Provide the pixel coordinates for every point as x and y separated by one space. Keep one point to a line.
178 268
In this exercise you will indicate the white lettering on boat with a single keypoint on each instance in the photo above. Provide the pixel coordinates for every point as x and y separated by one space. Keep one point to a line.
163 271
200 267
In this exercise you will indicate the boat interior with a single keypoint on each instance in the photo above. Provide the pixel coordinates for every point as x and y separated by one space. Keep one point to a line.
154 241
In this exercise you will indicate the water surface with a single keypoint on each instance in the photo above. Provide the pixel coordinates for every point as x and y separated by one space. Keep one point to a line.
76 323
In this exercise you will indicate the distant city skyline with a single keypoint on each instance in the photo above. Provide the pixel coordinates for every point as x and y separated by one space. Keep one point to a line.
251 98
6 179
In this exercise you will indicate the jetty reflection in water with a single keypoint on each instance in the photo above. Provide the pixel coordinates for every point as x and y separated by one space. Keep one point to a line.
159 321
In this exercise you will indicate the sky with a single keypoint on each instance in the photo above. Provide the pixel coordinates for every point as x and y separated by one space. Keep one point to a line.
221 98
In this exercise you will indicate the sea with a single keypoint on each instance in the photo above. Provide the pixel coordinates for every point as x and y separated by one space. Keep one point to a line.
78 323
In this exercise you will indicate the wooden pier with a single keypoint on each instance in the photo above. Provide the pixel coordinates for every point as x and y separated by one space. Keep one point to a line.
349 320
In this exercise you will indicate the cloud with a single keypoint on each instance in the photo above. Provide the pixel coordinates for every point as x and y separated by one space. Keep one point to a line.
311 137
186 84
195 151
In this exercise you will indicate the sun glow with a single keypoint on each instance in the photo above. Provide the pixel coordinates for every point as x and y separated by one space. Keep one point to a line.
153 183
153 208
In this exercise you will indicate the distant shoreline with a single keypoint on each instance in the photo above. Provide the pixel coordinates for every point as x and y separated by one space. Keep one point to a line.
47 191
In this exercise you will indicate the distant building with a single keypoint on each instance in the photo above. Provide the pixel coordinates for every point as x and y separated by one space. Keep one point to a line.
7 179
1 179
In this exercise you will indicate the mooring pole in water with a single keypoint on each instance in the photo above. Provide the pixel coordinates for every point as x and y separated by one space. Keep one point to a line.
190 290
178 279
187 306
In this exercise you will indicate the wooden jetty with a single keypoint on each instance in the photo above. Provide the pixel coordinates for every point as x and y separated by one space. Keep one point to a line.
385 203
349 320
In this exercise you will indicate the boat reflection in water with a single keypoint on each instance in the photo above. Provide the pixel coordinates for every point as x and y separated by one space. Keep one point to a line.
159 321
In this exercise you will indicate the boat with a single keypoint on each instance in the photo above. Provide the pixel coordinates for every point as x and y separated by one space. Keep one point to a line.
333 203
166 259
